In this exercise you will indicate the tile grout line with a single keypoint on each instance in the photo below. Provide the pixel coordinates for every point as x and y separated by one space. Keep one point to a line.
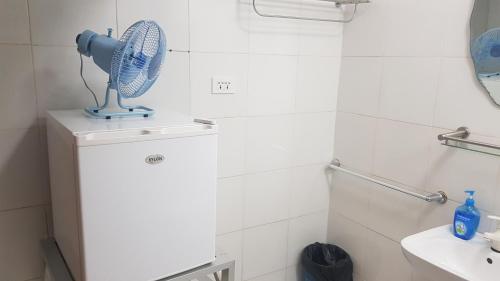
325 164
190 88
411 123
275 222
267 273
24 208
39 123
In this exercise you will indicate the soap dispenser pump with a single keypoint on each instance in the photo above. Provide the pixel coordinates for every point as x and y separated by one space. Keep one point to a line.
495 236
467 218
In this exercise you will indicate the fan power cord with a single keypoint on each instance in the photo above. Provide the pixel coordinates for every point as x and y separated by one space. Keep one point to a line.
85 82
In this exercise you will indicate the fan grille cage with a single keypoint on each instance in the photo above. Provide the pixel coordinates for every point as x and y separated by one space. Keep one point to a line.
136 63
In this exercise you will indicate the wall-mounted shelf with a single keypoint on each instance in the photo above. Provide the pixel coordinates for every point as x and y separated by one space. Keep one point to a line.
337 3
459 139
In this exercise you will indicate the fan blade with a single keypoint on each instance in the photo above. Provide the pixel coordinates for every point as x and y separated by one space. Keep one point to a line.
154 66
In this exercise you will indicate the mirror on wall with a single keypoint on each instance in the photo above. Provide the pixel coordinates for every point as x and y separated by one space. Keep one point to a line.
485 45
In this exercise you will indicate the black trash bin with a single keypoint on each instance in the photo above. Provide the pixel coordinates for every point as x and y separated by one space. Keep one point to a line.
325 262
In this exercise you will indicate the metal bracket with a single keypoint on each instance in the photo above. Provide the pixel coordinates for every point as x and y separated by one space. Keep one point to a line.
460 136
205 121
462 133
337 4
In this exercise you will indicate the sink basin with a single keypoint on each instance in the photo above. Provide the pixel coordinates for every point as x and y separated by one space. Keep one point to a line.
438 255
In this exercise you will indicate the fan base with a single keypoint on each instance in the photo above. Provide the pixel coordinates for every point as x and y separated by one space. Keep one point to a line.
135 111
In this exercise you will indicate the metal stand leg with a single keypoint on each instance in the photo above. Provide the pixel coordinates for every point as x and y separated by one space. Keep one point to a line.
47 276
56 270
228 274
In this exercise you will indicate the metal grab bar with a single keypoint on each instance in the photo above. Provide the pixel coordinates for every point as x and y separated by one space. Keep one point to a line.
439 196
262 14
461 135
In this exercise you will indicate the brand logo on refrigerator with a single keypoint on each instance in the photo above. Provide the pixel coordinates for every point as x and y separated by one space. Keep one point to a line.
155 159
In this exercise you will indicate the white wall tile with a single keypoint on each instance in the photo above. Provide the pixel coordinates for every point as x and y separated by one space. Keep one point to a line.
14 13
275 276
309 190
272 84
409 88
219 25
264 249
485 224
20 237
172 16
390 263
269 143
365 35
17 87
22 180
319 43
230 204
314 136
456 27
271 35
171 90
402 152
304 231
58 22
231 146
205 66
434 215
407 34
416 276
317 84
359 88
393 214
357 277
58 81
351 197
266 197
294 273
320 38
230 245
459 91
427 78
354 140
349 236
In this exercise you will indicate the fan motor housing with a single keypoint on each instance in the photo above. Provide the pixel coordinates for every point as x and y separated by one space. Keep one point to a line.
100 47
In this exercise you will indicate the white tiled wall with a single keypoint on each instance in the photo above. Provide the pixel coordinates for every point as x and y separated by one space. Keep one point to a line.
406 77
276 133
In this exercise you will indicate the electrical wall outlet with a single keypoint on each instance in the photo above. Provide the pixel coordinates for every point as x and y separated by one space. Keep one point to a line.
223 85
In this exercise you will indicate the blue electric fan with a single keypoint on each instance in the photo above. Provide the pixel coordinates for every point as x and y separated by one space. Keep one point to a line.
486 53
133 64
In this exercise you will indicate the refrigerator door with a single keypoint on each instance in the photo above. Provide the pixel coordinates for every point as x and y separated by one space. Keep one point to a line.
147 208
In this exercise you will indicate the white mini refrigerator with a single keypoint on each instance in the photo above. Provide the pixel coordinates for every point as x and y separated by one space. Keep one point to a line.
132 199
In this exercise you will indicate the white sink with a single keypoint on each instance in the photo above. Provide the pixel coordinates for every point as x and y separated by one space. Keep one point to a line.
440 256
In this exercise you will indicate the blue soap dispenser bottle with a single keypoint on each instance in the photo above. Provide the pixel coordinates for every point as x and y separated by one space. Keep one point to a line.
467 218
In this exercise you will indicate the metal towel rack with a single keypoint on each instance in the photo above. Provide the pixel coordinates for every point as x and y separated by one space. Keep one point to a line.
460 137
439 197
338 3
